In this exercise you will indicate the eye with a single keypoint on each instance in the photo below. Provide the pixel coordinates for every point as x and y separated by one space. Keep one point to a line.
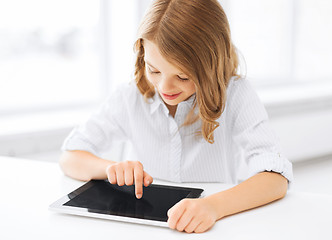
152 72
183 79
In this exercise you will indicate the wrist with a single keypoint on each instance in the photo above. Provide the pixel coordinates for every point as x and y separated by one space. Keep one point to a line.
217 204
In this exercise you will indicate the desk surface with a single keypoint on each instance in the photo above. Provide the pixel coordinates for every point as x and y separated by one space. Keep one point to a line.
28 187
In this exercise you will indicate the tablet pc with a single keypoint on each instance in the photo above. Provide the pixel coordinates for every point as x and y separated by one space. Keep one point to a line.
101 199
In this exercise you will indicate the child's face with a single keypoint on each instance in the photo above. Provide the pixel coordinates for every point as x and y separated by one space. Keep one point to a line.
171 83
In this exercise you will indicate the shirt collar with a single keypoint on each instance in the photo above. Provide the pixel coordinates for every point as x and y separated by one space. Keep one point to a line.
155 102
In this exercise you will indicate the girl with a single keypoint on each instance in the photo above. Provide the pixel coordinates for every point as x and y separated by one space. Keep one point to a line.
189 116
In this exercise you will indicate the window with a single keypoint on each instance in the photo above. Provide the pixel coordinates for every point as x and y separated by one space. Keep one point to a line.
283 41
313 38
125 16
49 54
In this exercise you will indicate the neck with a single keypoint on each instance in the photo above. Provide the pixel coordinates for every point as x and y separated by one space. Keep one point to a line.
172 109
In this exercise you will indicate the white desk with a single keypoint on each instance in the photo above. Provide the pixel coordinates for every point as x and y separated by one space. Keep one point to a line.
28 187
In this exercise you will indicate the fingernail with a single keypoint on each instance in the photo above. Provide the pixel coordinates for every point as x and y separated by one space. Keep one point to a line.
138 195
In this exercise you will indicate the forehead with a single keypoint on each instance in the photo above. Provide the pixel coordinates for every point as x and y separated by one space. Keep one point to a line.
154 58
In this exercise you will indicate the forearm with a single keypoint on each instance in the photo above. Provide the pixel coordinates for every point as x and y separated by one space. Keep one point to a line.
83 165
256 191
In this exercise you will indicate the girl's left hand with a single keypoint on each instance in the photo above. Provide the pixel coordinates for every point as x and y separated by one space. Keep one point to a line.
192 215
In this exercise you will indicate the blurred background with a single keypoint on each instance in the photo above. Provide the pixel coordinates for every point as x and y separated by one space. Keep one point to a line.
60 59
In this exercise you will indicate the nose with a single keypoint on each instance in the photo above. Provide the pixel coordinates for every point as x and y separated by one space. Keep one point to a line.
165 85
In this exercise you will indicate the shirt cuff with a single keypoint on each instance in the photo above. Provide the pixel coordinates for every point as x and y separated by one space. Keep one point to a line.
73 143
271 163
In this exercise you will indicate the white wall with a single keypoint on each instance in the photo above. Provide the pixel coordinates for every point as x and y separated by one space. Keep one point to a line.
305 135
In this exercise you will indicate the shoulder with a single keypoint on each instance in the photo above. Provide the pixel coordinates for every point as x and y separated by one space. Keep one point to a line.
125 93
239 87
240 91
242 100
125 97
124 90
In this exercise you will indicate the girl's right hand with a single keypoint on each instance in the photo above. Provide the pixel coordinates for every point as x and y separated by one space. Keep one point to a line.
129 173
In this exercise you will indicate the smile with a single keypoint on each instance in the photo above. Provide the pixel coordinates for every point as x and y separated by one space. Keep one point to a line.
170 96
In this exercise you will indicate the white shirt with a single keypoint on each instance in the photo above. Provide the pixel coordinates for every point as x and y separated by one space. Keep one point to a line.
172 152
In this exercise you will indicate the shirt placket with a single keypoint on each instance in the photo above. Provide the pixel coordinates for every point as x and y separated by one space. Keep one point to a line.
175 151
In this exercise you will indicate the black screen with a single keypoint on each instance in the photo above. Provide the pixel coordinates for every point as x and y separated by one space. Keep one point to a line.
103 197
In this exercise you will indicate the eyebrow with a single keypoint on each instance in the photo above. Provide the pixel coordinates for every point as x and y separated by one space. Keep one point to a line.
147 62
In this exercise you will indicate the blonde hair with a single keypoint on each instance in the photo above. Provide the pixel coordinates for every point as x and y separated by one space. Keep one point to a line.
195 36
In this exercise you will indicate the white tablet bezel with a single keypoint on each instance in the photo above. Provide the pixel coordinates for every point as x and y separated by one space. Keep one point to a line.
58 206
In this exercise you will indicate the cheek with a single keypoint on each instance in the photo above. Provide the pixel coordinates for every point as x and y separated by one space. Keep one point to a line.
149 78
191 88
153 79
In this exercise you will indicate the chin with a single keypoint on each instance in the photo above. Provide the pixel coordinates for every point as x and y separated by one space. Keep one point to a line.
171 103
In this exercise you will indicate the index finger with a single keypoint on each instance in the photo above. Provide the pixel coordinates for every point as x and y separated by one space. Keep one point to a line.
138 177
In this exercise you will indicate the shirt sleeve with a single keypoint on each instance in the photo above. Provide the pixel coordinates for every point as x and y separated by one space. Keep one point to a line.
106 125
252 132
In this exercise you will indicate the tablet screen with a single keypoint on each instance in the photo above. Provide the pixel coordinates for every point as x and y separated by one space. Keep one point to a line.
100 196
